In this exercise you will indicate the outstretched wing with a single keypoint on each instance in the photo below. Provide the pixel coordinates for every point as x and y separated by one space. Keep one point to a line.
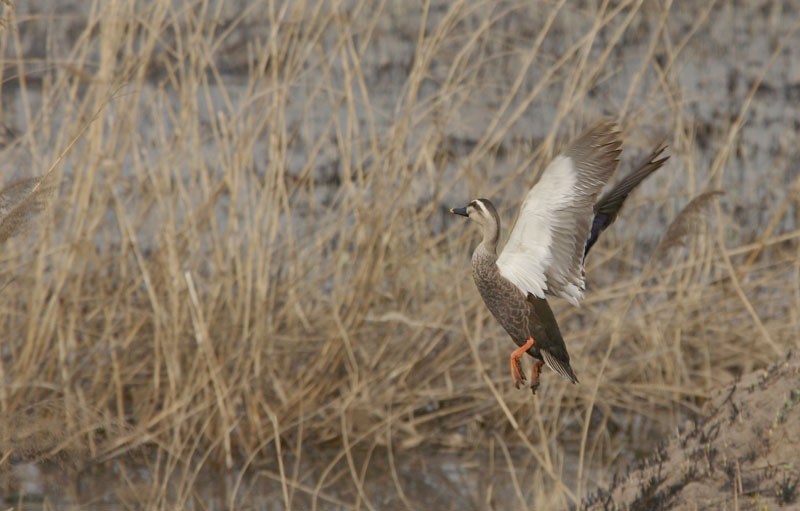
544 253
606 209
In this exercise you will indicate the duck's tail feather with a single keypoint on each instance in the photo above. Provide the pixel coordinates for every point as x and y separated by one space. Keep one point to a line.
561 367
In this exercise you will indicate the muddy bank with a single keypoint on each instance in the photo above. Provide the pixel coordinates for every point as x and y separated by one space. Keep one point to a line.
745 453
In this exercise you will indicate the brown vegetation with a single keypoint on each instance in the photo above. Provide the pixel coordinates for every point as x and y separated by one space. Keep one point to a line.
248 268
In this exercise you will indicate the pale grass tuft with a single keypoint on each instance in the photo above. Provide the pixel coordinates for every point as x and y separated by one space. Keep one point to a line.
23 200
689 220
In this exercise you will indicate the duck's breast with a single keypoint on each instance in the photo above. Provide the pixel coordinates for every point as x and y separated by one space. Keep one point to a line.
506 303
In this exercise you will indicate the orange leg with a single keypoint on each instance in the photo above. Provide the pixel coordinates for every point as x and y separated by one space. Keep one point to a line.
537 367
516 370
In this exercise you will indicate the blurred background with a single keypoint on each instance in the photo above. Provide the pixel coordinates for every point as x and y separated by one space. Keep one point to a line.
243 288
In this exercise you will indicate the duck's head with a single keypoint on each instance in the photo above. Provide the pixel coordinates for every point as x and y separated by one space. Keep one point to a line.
478 210
483 212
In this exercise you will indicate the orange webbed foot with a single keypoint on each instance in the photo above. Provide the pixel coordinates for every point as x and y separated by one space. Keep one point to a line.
516 370
537 367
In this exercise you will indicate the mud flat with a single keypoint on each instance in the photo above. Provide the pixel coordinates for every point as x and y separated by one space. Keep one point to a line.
745 453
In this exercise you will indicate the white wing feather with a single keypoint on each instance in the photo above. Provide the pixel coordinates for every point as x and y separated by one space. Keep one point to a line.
544 252
528 253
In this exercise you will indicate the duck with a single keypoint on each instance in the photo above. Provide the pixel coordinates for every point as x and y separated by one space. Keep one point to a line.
559 221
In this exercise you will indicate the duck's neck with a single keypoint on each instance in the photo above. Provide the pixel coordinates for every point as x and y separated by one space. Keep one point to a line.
487 249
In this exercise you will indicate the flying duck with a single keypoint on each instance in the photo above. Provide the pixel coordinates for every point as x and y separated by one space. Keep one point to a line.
559 221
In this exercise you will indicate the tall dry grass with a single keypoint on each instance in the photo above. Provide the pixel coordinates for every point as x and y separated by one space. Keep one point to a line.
248 268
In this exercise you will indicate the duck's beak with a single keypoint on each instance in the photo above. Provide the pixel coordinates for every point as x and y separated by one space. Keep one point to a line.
459 211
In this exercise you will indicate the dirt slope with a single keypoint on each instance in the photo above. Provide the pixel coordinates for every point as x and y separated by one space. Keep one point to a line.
744 455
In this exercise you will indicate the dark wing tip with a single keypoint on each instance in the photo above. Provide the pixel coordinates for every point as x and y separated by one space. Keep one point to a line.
609 205
611 202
